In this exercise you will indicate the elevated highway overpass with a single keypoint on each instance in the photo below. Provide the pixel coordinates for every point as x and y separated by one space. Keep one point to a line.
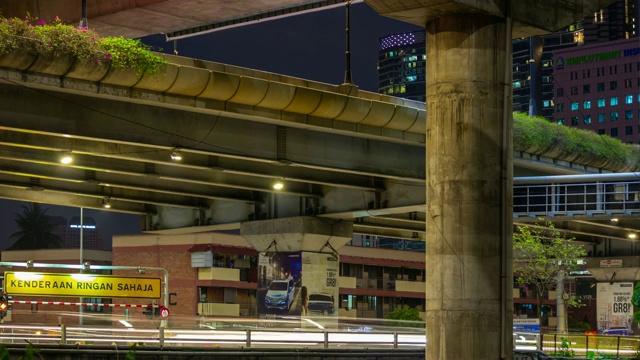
342 153
468 152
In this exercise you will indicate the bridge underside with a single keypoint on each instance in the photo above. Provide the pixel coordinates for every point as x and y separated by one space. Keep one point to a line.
133 19
122 149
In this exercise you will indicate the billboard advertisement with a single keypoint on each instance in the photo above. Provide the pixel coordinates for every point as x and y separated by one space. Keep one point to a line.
320 284
614 309
279 282
298 284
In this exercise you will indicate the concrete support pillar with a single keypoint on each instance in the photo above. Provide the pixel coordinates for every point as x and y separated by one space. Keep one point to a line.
304 233
469 188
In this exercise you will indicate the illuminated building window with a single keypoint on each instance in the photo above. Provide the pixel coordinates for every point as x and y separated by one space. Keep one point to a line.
628 99
587 119
561 121
613 101
601 118
578 37
574 106
602 102
586 104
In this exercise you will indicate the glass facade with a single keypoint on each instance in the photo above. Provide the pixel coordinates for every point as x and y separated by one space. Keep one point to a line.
402 65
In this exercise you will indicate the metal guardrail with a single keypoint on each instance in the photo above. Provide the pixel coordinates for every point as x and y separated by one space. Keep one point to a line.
85 335
592 346
589 199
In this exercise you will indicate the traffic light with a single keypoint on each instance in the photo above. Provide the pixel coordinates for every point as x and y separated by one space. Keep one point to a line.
4 306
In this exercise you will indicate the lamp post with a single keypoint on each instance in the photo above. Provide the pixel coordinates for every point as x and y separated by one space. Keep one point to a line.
83 19
347 73
81 257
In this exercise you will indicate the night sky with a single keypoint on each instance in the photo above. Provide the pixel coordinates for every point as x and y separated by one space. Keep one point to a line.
310 46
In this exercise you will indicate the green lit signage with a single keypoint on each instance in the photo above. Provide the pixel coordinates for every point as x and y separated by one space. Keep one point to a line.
593 57
607 55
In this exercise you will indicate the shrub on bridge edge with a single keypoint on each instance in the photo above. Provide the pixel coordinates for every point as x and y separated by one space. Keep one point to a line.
538 136
33 37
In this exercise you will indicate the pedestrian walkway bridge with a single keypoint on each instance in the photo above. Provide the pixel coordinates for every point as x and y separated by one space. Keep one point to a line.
607 202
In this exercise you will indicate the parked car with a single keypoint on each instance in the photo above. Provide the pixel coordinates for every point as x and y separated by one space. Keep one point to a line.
321 303
617 331
280 294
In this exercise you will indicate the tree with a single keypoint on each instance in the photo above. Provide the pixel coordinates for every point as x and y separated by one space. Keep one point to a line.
543 256
35 230
411 317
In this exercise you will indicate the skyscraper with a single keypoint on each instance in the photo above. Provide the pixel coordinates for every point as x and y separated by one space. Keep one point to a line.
402 65
618 21
402 60
69 232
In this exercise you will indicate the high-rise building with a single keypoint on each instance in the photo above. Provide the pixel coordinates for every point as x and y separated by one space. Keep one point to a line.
402 65
60 227
598 88
91 234
533 70
618 21
69 232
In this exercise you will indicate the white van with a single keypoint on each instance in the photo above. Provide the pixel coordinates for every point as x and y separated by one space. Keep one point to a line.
280 294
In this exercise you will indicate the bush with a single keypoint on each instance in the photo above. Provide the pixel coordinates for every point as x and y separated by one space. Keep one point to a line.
410 315
58 39
539 136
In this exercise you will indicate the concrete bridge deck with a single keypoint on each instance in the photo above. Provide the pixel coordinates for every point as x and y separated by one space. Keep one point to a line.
342 153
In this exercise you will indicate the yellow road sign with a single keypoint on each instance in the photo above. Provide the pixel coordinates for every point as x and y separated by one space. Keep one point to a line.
81 285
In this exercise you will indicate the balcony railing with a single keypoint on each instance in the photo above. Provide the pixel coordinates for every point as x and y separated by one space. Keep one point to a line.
388 284
595 198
